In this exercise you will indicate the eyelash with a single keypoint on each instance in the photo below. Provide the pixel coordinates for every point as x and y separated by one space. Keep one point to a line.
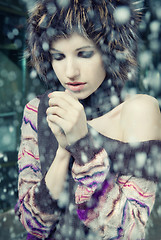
82 54
57 56
86 54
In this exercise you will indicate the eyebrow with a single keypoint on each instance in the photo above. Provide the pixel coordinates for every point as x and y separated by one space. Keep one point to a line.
78 49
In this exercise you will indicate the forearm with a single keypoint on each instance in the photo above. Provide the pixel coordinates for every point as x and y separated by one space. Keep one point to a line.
127 196
120 211
140 159
37 208
56 175
90 168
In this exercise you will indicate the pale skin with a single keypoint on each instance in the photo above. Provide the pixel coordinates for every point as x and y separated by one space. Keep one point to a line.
136 119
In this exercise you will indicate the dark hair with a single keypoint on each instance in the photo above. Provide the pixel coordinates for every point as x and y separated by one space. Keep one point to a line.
94 19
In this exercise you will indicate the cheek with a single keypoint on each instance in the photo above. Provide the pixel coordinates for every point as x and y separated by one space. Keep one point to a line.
58 70
99 71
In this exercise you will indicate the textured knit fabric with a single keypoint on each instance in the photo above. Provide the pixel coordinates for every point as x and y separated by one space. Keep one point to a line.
114 205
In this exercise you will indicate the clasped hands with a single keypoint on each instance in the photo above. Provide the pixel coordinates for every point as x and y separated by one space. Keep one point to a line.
66 118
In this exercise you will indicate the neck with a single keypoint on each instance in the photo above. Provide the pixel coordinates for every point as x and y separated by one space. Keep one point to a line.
103 100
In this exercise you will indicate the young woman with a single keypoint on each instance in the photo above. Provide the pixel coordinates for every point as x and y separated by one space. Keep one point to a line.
88 160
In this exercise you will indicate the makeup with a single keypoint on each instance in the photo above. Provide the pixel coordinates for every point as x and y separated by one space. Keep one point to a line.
76 86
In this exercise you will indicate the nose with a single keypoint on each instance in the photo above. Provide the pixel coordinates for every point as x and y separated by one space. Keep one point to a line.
72 69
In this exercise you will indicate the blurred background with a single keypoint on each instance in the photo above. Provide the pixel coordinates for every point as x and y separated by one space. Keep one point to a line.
19 84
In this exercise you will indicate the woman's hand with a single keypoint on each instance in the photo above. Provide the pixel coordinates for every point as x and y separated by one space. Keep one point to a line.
66 118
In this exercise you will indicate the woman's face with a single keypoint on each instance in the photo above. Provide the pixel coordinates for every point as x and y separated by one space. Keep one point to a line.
78 65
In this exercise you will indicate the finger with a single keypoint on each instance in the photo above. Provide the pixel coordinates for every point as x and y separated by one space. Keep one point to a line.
56 129
57 111
70 115
66 96
66 104
65 125
71 94
60 102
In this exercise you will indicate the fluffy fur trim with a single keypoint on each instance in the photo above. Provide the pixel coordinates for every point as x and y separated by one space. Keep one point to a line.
111 24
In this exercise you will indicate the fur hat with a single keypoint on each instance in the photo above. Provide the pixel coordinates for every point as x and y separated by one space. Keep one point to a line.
111 24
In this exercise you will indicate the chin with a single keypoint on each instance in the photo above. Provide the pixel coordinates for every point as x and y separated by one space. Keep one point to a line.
81 95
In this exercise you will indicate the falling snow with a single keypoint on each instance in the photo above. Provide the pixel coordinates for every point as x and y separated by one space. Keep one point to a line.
122 15
18 86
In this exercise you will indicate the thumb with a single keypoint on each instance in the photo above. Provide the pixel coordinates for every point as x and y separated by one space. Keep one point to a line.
71 94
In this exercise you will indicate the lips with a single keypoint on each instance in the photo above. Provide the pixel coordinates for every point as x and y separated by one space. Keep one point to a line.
76 86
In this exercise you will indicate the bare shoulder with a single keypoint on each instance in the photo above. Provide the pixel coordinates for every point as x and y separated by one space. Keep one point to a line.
140 100
141 118
141 104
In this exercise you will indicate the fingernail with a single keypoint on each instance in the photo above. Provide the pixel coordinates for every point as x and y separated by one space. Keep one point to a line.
49 95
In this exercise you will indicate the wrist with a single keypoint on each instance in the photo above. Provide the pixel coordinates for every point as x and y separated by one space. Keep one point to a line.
63 153
85 149
72 139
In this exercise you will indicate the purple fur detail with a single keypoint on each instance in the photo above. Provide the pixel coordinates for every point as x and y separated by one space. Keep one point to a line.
83 212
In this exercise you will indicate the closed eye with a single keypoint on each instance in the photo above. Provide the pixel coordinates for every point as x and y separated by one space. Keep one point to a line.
58 56
85 54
